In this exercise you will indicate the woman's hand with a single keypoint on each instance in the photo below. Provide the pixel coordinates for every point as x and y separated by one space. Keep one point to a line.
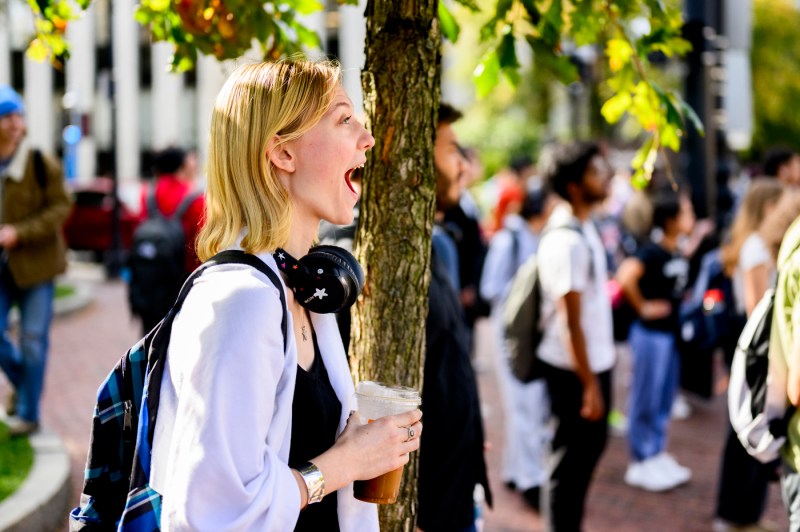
382 445
367 450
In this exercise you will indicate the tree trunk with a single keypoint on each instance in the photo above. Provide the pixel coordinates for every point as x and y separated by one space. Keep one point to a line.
401 92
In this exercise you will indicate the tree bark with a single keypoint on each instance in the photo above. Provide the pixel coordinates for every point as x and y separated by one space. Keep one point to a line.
401 82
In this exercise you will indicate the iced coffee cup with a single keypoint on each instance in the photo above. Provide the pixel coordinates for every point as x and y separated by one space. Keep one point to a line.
376 400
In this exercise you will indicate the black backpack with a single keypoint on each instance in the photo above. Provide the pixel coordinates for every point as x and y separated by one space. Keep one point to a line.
116 492
156 261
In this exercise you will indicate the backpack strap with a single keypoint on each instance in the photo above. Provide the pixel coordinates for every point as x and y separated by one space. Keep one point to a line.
184 205
152 205
39 169
233 256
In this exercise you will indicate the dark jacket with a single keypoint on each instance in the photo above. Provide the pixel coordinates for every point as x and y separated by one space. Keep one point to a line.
451 458
38 213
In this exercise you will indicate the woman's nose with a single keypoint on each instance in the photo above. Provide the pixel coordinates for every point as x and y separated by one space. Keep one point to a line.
368 141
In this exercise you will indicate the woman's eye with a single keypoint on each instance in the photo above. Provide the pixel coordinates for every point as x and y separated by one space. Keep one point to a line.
347 119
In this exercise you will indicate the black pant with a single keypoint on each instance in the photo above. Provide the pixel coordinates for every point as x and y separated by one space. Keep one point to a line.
743 483
575 450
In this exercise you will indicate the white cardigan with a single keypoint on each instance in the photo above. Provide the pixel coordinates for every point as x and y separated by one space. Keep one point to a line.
224 426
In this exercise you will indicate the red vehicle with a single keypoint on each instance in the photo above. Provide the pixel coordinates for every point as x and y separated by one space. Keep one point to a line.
89 225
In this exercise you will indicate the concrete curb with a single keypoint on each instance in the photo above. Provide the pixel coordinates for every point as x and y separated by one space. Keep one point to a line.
41 502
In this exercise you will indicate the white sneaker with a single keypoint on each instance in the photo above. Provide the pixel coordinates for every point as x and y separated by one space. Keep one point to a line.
672 468
681 409
650 475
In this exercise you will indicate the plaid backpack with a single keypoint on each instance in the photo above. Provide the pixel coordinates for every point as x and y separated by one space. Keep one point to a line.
116 490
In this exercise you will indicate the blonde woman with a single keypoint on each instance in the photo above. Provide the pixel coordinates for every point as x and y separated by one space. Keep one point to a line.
746 258
250 437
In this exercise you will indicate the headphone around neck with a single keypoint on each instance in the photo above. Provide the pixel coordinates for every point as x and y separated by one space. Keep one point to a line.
327 279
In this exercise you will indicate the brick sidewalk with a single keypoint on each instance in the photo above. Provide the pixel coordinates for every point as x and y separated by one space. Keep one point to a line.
86 344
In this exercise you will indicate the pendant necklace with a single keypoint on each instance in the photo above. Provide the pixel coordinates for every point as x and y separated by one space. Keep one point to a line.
303 326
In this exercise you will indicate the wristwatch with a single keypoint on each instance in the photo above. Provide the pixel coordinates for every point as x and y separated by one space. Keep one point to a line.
315 483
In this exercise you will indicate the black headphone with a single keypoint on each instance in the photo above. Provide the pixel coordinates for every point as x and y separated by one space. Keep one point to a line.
327 279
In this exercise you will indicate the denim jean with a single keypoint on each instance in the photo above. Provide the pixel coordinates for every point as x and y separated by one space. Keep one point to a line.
25 365
656 366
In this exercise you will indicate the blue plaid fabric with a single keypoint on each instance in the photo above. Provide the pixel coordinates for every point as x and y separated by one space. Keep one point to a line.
116 489
115 423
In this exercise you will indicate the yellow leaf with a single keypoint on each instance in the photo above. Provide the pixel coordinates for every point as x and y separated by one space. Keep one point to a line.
37 50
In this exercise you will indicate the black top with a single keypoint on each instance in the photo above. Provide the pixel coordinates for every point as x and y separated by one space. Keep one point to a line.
451 458
315 419
665 277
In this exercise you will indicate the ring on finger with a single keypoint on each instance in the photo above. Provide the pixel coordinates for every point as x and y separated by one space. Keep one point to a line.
411 433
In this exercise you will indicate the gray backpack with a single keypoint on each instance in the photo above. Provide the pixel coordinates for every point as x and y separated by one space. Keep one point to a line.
757 402
522 317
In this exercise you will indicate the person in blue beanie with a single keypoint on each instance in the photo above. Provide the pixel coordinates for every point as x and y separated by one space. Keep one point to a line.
33 207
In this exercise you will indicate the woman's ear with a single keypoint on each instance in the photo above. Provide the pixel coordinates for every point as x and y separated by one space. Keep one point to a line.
280 154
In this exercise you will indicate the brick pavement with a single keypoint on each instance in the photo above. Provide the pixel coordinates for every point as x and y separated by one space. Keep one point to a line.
87 343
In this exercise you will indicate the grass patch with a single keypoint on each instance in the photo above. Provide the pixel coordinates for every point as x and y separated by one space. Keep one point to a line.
64 290
16 460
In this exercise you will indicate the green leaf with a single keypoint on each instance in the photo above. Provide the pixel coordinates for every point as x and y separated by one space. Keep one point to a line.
670 137
561 66
506 51
624 80
513 76
307 37
502 9
616 106
34 5
306 7
469 4
642 152
689 113
639 179
644 163
552 24
533 12
487 73
158 5
143 16
448 22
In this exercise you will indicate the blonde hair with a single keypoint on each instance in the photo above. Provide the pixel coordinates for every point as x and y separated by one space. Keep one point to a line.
775 224
762 192
258 102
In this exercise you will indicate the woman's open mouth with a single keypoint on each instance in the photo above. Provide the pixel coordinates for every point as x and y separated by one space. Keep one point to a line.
353 173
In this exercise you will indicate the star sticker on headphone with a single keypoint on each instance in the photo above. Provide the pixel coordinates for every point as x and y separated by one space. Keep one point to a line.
320 293
281 256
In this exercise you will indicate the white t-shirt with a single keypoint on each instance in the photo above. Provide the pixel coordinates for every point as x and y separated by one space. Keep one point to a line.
570 261
753 253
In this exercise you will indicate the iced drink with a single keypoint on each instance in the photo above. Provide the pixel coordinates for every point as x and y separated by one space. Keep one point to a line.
376 400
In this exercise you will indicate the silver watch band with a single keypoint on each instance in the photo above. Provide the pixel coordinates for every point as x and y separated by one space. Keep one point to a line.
315 483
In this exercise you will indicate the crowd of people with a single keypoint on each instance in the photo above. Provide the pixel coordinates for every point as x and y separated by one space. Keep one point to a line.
616 267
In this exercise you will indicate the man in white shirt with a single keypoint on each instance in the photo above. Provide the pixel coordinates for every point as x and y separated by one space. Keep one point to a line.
577 347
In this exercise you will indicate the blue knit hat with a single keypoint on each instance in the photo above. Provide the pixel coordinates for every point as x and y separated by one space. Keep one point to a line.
10 101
